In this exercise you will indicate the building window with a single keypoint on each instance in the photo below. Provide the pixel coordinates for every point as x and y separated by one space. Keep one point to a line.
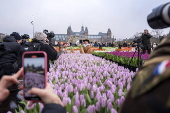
64 39
56 36
59 36
77 34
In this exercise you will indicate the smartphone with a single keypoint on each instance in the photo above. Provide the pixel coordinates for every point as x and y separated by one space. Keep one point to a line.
34 74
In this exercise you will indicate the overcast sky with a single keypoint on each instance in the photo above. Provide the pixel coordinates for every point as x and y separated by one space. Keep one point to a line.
123 17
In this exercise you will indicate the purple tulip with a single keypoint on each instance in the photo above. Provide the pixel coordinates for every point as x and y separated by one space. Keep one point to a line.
75 109
75 90
41 108
128 87
110 106
83 102
20 111
30 107
77 95
81 97
94 88
91 109
113 110
103 102
120 92
120 85
77 103
91 94
97 108
88 86
118 103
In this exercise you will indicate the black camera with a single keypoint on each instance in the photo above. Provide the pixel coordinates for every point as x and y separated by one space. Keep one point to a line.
160 17
138 40
25 36
49 35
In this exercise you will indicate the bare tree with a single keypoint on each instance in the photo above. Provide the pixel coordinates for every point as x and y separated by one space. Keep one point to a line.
157 33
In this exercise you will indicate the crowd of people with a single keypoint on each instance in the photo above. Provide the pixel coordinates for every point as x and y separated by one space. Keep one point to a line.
13 47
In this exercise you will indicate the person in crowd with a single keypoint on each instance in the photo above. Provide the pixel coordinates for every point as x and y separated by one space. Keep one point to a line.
95 44
8 59
52 103
106 44
60 45
149 91
145 38
64 48
86 46
17 37
41 39
100 45
125 44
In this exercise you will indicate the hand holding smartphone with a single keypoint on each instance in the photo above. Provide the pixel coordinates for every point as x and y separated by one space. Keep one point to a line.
35 69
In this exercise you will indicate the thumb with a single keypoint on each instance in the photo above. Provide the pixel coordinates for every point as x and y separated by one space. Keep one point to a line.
36 91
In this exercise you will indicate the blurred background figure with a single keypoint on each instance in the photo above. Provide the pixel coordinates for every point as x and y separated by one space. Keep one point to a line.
145 38
64 48
125 44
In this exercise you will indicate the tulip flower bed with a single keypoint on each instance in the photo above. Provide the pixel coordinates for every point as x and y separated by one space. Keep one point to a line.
89 84
127 59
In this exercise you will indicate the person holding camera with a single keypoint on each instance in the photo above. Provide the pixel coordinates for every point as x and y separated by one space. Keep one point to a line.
52 103
39 43
145 39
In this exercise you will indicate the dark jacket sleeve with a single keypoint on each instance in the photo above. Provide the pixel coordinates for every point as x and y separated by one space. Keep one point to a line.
149 35
52 54
53 108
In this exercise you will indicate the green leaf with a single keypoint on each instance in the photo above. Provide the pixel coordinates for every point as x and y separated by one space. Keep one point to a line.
82 111
88 98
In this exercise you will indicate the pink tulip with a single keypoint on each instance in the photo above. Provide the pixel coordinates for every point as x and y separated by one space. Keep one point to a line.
75 109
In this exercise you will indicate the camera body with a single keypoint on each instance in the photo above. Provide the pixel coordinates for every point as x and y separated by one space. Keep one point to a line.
25 36
49 35
160 17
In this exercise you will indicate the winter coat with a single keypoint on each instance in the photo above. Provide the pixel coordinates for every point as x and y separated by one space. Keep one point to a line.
145 38
52 54
10 57
125 45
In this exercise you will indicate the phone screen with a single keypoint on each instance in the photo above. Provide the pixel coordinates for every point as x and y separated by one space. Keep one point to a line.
34 74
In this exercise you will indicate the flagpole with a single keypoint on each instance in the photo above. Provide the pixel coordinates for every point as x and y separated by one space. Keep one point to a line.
33 27
33 30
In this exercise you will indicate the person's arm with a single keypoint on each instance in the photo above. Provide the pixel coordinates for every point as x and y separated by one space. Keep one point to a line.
51 52
149 35
52 103
7 81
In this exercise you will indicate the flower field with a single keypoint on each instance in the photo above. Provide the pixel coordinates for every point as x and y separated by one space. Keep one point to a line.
123 58
88 84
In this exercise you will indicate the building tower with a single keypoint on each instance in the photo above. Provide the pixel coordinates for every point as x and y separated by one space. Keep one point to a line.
69 31
86 32
109 33
82 29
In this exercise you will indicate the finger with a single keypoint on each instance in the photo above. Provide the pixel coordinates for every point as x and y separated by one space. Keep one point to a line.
36 91
19 73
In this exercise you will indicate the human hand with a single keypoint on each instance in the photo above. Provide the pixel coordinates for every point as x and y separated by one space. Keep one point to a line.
7 81
47 95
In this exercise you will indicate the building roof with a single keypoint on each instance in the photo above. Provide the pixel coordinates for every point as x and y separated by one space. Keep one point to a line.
102 34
